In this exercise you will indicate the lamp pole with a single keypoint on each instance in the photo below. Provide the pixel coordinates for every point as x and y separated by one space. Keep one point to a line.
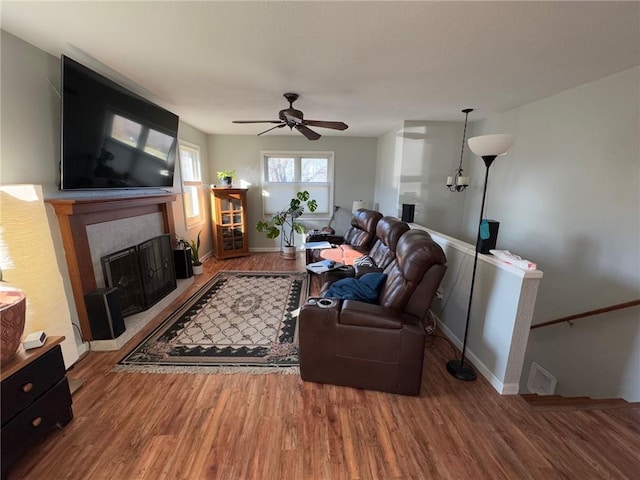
457 368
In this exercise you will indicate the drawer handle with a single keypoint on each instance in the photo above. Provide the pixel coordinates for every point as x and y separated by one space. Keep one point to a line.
36 421
26 388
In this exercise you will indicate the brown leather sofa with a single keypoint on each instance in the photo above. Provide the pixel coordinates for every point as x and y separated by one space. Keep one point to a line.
376 346
357 240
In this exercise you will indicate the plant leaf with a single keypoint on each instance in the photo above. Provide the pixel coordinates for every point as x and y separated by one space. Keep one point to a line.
273 232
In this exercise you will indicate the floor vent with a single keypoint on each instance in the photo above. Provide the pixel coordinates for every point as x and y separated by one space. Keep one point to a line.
540 381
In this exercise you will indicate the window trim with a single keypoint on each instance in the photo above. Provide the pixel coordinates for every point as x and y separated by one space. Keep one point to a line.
297 155
199 220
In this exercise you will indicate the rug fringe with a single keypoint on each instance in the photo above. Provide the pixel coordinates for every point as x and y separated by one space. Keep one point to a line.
204 369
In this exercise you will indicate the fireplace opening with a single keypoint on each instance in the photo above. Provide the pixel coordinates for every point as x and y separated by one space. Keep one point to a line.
144 273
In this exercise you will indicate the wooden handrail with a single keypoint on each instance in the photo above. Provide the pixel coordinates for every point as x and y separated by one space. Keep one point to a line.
619 306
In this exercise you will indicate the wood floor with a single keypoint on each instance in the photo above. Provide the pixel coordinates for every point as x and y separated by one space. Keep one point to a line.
184 426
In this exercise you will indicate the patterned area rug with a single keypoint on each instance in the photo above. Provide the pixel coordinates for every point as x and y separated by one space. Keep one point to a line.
238 322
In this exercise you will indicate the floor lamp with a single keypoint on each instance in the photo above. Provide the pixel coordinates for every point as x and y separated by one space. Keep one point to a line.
488 147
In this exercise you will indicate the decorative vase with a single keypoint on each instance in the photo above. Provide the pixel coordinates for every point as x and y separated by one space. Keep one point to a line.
226 181
289 252
13 307
197 269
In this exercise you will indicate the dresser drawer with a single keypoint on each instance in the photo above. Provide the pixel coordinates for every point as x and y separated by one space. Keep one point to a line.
22 388
51 410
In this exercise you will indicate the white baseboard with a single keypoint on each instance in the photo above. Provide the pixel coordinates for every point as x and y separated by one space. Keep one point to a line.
271 249
501 388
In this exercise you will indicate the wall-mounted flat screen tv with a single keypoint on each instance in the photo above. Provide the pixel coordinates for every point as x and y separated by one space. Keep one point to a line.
112 137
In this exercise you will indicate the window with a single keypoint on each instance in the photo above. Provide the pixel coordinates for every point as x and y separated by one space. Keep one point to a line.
285 173
191 184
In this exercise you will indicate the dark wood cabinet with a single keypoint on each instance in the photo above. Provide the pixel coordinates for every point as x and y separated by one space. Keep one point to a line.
229 221
35 399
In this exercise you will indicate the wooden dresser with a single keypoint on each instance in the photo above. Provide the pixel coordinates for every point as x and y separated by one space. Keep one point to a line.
35 399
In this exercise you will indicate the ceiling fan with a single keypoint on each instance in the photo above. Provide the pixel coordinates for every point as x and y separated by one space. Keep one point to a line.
292 118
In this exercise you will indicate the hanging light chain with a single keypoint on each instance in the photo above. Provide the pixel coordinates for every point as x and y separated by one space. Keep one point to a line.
458 183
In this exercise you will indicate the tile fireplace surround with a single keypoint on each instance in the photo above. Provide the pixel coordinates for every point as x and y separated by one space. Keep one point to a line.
78 215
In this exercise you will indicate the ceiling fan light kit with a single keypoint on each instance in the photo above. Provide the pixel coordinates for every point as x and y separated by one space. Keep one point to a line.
293 118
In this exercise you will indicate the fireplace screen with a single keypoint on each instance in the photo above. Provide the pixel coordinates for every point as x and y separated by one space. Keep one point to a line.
144 274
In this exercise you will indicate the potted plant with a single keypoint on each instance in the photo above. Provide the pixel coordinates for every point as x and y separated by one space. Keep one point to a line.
284 225
226 177
195 256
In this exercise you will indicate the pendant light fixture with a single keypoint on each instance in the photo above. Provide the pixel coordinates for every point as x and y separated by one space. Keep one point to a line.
458 182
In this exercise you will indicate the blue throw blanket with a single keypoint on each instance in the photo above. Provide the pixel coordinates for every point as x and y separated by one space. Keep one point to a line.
365 289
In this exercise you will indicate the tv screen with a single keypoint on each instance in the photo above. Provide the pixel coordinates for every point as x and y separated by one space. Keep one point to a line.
111 137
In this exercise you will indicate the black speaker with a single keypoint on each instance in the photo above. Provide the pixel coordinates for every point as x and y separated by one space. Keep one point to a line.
408 211
182 262
105 313
484 245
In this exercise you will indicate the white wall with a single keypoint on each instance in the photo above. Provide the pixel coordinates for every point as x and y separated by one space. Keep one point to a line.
430 153
30 131
30 117
29 263
388 166
568 197
355 161
413 163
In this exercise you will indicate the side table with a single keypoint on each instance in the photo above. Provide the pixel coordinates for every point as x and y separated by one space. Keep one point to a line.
35 399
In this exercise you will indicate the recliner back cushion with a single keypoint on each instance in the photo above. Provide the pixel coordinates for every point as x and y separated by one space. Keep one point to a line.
388 232
416 254
362 232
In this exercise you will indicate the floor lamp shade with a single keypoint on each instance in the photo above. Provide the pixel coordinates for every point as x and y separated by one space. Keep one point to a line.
491 145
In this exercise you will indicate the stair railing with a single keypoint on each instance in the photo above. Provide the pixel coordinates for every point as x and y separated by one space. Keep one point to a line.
612 308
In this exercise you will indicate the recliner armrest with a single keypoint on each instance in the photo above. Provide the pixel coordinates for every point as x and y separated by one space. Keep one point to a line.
369 315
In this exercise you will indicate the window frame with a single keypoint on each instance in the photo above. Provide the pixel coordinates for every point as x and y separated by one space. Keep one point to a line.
196 220
297 155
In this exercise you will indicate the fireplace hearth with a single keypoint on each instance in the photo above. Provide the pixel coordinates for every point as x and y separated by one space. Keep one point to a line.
144 273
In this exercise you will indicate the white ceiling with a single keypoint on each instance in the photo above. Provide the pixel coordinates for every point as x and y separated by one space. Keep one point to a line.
369 64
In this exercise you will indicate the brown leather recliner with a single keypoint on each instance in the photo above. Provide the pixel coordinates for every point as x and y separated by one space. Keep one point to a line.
358 239
388 232
376 346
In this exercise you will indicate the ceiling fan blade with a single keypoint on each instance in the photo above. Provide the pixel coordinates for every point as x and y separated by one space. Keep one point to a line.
272 128
320 123
256 121
307 132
